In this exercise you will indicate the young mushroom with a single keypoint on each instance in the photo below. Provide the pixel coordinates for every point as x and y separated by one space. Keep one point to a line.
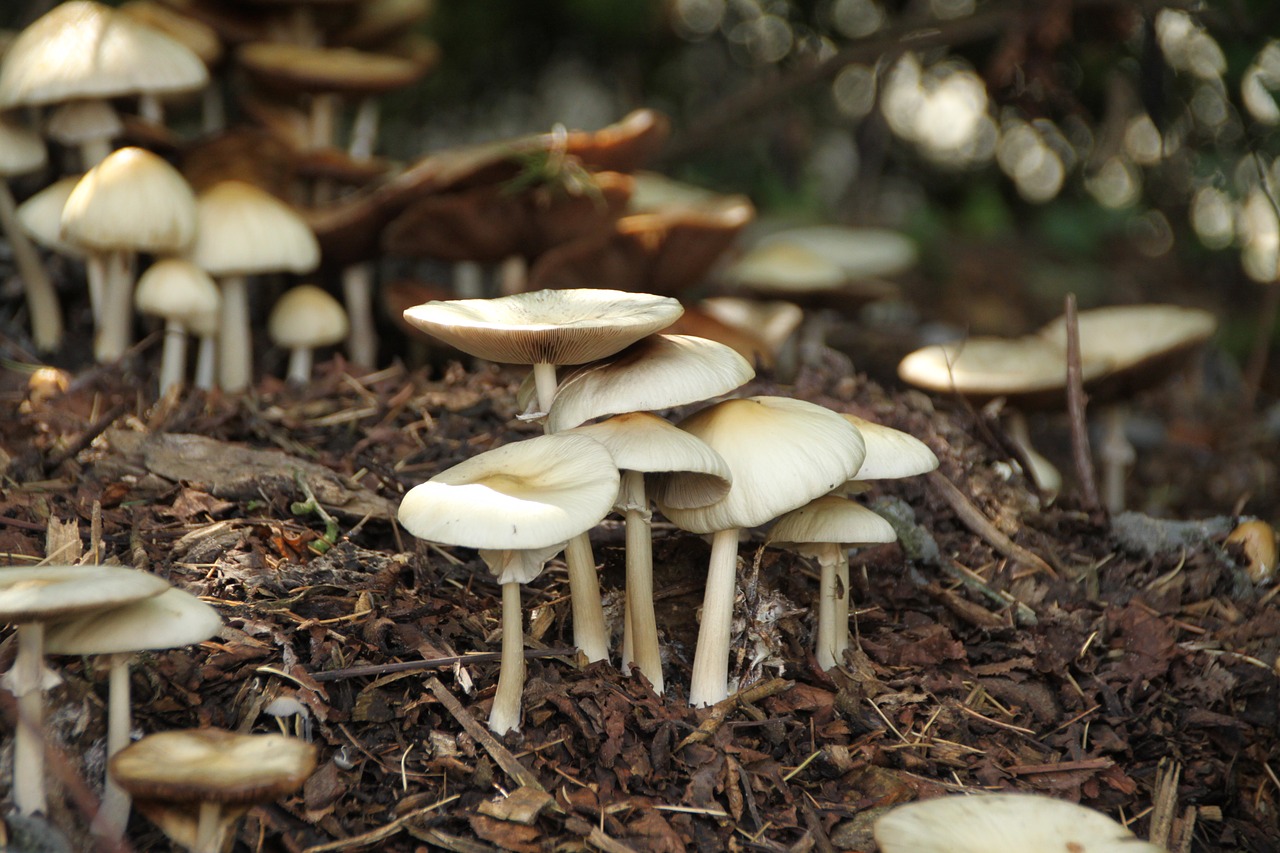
518 505
544 329
31 598
782 453
175 290
196 783
1003 823
166 621
303 320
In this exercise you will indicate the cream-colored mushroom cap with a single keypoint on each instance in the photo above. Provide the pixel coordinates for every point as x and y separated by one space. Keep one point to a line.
858 252
781 452
77 122
88 50
1003 823
211 765
982 368
244 230
831 519
21 149
785 268
656 372
891 453
171 619
307 316
41 216
133 200
653 192
46 592
530 494
1125 335
639 441
546 326
773 320
174 288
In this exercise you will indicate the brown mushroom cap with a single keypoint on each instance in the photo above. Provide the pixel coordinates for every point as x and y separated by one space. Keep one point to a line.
212 765
341 70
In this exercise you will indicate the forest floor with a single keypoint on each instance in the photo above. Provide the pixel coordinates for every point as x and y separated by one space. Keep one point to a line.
1002 644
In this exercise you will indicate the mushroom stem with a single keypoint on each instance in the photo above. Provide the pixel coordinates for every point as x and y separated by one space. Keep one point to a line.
211 829
151 108
513 275
206 362
505 714
235 354
115 332
173 360
468 280
357 293
833 606
364 129
1117 455
710 681
589 632
544 379
640 638
28 745
113 814
42 300
299 365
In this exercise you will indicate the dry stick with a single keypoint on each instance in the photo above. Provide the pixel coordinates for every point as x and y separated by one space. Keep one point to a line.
376 669
85 438
722 709
508 762
1076 400
978 523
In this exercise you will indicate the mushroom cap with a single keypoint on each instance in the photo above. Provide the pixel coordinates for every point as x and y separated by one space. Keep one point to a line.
639 441
781 452
244 230
302 68
530 494
1030 371
212 765
1003 823
82 49
546 326
891 453
50 592
134 201
41 216
166 621
656 372
773 321
307 316
77 122
1140 345
858 252
21 149
200 38
781 267
378 20
831 519
176 289
654 191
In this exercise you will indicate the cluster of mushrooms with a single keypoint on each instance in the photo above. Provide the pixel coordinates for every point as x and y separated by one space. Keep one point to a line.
734 465
195 783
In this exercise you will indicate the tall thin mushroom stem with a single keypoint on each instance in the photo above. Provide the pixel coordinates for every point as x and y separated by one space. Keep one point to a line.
211 829
235 356
640 637
42 300
173 359
28 743
710 681
833 606
113 814
505 715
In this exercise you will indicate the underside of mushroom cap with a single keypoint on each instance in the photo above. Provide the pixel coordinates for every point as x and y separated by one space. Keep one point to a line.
171 619
546 326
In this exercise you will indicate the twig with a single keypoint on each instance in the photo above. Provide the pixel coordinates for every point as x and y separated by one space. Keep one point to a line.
508 762
85 438
722 709
432 663
1076 400
979 524
373 836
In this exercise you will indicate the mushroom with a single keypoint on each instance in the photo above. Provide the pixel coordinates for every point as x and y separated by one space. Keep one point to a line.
133 201
517 504
1003 823
31 598
544 329
175 290
1255 541
171 619
304 319
782 453
22 151
245 231
824 529
195 783
641 443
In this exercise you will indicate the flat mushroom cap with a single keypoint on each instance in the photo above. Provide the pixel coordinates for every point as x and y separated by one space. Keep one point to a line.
773 321
891 453
784 268
530 494
1030 371
166 621
782 453
546 326
341 70
639 441
244 230
307 316
831 519
212 765
1003 823
88 50
21 149
656 372
132 200
48 592
176 289
858 252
